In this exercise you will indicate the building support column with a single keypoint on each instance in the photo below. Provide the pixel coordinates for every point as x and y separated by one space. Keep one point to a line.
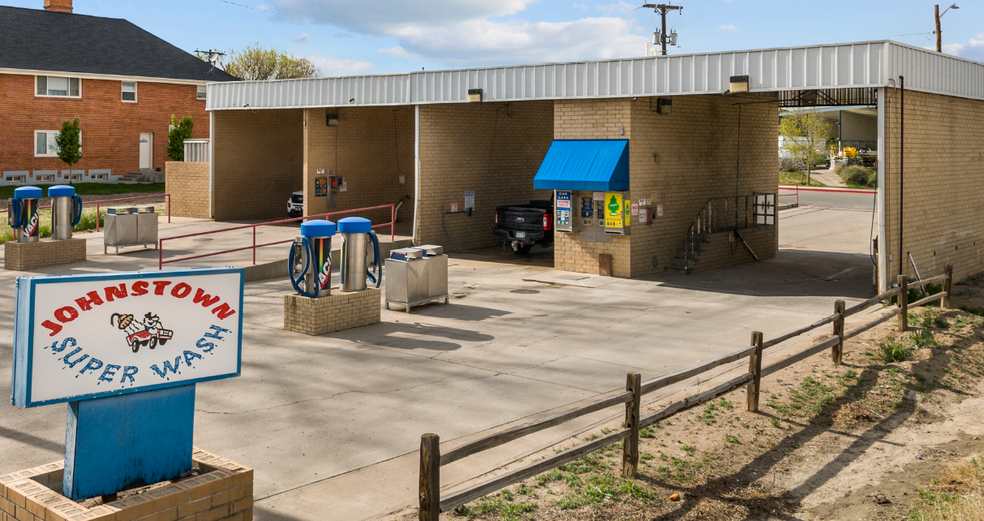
416 170
883 253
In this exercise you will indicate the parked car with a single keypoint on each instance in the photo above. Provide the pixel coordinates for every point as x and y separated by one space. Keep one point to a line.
525 225
295 205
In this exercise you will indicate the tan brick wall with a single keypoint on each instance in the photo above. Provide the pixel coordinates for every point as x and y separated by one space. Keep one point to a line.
258 161
337 312
222 492
370 148
110 128
456 144
697 150
720 252
188 185
944 184
26 256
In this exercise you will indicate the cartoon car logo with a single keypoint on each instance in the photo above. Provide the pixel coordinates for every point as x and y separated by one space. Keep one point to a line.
146 333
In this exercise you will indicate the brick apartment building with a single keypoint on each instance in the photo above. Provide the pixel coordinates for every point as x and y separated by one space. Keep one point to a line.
122 82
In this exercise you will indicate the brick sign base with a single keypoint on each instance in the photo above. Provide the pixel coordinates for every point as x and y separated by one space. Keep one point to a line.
222 492
26 256
318 316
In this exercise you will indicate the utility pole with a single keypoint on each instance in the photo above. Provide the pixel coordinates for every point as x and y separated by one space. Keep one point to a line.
662 9
939 33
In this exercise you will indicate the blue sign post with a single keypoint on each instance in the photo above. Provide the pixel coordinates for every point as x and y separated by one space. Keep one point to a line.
125 351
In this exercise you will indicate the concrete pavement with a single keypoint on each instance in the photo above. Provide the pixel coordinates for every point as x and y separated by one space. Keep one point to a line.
331 424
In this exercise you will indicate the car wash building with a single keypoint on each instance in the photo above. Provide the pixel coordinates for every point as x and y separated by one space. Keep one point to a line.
654 163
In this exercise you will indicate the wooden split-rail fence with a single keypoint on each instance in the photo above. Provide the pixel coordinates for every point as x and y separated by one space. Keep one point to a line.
431 504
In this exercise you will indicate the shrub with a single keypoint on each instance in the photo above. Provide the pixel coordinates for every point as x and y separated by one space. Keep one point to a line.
857 175
788 164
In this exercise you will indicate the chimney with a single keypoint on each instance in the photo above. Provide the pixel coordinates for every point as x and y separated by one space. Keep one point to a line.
62 6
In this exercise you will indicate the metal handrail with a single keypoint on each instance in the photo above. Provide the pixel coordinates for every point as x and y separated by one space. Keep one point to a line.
160 242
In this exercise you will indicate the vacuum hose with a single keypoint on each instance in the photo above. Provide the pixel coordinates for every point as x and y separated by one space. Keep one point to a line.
78 211
376 274
15 213
309 254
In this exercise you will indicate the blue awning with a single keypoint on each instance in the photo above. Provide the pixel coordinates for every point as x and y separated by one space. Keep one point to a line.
595 165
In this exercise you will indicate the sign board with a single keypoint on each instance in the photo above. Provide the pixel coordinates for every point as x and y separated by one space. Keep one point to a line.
79 337
321 171
613 210
562 217
469 200
321 185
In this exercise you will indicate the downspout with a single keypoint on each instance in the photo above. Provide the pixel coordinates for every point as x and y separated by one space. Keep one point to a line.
211 163
416 171
882 239
901 169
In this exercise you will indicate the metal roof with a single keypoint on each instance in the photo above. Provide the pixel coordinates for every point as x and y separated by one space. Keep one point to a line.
838 66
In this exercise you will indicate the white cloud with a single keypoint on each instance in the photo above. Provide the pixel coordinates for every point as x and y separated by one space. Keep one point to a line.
582 7
338 66
394 51
973 49
476 32
261 7
729 28
303 38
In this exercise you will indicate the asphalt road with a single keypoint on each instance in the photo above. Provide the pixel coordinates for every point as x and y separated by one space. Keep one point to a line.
843 200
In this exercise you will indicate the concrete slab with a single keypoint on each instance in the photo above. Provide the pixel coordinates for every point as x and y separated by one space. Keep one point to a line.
351 406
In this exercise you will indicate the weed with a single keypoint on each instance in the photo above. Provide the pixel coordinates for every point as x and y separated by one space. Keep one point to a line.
922 339
548 477
646 432
730 438
892 350
775 422
689 449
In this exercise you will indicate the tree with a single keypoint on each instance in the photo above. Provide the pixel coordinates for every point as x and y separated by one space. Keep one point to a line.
806 136
69 142
177 136
257 63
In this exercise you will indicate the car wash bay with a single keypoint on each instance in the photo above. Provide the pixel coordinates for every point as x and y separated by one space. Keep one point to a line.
701 147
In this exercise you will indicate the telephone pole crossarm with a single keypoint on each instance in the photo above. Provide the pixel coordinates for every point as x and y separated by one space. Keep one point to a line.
662 9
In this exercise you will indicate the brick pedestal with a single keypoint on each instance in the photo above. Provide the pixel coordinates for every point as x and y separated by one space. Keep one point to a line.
26 256
222 492
317 316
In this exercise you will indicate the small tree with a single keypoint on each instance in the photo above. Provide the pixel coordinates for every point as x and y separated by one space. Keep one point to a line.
806 136
256 63
177 136
69 142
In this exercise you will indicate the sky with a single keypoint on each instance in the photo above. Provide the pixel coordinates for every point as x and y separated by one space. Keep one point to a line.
349 37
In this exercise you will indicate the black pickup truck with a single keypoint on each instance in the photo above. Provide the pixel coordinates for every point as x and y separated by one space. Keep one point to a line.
525 225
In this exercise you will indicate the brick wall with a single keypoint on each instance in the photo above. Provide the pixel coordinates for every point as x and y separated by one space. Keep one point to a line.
679 160
110 128
719 252
944 192
222 492
456 144
337 312
258 159
26 256
188 185
370 148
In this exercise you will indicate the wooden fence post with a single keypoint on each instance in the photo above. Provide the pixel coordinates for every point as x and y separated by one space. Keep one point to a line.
755 367
837 352
430 478
630 446
903 303
947 286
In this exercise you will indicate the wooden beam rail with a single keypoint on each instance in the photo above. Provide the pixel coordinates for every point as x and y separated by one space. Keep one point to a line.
519 431
431 459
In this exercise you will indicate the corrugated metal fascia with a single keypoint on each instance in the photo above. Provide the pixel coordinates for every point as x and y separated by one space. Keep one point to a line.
936 73
348 91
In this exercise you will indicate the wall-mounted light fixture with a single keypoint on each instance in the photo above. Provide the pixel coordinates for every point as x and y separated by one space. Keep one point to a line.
331 119
664 106
739 84
474 95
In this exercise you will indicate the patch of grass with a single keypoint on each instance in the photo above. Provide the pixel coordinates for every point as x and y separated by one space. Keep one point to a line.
646 432
924 338
892 350
548 477
958 495
797 178
973 311
731 438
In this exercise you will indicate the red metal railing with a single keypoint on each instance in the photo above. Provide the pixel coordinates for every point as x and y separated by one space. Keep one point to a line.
794 190
160 242
795 193
167 198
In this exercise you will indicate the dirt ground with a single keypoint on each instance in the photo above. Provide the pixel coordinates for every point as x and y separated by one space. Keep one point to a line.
868 439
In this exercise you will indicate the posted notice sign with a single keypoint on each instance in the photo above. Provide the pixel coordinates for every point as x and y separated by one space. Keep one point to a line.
80 337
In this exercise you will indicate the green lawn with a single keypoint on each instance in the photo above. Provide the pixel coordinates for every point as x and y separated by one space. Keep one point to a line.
797 178
6 192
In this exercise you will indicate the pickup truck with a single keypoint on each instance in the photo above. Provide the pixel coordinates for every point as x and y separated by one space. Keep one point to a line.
525 225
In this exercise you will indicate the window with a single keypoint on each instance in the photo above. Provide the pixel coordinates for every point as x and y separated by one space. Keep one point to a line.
58 86
765 209
201 92
130 91
44 143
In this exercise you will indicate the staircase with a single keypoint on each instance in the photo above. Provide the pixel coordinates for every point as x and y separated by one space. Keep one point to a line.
716 216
